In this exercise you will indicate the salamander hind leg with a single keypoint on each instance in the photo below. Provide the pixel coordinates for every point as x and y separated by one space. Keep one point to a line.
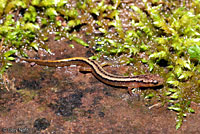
85 69
103 64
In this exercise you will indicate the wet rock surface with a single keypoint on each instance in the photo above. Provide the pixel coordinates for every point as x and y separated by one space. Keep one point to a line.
63 100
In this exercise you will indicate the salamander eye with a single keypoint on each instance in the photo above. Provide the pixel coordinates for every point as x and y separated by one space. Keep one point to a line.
155 82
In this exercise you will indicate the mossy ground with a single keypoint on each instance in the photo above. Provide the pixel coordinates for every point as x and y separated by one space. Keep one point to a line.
151 36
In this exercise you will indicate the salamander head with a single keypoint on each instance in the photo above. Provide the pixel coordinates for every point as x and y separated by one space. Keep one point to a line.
151 80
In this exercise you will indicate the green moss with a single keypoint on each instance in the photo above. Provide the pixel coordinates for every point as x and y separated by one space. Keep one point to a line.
14 4
2 6
51 12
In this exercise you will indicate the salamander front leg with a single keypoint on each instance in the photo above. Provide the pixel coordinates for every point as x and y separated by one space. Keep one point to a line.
130 91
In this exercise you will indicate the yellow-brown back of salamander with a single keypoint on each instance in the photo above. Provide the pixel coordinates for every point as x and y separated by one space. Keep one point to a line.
149 80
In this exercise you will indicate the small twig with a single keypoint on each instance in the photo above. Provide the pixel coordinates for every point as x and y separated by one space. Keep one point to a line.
156 105
1 44
5 81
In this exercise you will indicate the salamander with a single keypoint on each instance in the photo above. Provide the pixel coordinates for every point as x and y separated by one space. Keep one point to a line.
147 80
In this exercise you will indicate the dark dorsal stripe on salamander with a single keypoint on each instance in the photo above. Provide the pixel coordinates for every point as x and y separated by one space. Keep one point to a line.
111 77
98 70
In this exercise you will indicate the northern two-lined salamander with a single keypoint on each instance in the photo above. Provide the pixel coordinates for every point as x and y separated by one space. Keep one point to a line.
149 80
